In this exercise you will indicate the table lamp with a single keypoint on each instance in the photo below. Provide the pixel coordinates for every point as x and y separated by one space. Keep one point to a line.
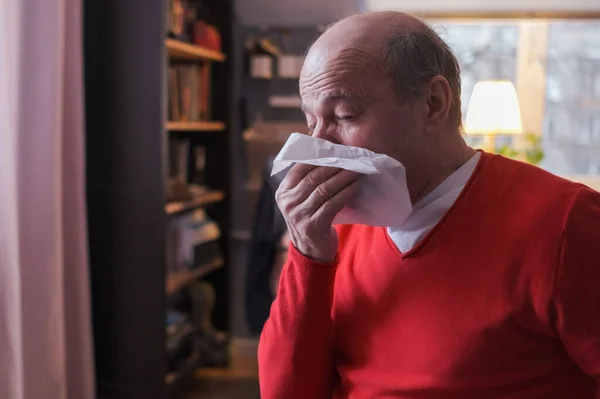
493 109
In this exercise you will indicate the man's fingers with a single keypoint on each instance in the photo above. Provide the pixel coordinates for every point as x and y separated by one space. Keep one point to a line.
317 177
332 206
298 192
329 189
295 175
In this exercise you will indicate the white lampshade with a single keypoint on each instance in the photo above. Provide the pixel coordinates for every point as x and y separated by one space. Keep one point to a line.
493 109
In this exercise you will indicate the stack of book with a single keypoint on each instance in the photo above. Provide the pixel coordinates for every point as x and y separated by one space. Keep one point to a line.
189 92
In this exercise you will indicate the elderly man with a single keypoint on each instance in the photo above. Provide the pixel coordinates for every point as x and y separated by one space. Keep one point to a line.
491 289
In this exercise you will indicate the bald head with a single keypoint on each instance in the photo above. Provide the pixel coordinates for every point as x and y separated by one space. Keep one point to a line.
369 29
403 47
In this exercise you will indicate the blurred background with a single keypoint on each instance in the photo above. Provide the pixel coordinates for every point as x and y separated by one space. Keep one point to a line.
140 244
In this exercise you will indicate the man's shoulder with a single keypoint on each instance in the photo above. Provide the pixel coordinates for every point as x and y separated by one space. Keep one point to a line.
522 171
528 184
525 198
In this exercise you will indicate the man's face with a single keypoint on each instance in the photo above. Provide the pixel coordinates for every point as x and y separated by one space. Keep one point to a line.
348 99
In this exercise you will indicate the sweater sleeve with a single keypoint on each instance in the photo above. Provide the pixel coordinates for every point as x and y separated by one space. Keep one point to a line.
295 354
577 293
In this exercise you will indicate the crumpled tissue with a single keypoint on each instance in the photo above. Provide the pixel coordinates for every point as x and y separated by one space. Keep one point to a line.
382 198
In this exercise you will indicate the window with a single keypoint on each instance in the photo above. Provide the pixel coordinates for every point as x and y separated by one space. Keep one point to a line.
572 106
484 50
555 65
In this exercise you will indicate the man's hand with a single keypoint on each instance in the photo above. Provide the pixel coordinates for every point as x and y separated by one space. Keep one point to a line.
309 198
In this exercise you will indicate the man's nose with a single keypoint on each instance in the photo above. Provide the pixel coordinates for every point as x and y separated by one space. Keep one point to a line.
325 133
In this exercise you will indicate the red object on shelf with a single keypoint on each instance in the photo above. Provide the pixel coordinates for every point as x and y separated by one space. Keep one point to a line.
206 35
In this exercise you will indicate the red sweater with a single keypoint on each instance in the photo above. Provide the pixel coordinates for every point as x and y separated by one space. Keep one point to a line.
500 300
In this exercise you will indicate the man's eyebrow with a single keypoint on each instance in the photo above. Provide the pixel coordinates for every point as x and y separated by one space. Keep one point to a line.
334 96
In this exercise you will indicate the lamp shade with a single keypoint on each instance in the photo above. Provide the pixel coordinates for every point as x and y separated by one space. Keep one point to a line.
493 109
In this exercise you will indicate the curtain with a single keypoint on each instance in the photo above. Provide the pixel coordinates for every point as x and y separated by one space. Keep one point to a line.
45 319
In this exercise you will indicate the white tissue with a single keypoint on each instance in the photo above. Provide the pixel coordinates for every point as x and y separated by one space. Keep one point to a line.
382 198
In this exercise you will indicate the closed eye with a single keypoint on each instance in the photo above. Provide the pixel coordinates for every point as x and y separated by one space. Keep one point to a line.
344 117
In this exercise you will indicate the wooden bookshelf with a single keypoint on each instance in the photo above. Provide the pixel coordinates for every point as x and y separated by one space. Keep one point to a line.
205 126
177 280
179 207
147 225
185 51
197 122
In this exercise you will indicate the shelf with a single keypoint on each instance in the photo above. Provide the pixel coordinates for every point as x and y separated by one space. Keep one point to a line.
177 280
186 51
205 126
177 208
285 102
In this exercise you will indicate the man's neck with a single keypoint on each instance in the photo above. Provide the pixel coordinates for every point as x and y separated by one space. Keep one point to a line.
439 167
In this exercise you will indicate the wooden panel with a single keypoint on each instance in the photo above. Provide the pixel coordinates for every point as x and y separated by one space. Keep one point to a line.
531 74
500 14
519 8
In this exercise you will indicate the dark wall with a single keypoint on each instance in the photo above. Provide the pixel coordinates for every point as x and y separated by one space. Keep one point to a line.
257 91
124 64
254 103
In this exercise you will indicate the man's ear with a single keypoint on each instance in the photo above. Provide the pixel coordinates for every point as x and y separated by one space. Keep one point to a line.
439 101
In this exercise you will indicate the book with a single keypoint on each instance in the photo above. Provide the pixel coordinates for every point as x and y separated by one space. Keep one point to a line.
189 94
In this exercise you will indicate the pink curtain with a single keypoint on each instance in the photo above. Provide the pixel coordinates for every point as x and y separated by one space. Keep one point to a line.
45 321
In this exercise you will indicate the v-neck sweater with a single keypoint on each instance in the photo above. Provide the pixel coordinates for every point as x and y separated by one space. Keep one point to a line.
499 300
428 211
